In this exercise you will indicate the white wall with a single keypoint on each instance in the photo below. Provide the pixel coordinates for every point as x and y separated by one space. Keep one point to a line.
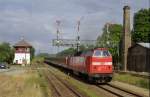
22 56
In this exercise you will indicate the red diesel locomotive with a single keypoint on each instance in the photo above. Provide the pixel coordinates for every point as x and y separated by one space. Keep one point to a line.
95 64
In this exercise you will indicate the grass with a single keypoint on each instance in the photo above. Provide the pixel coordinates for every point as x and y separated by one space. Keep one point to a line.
133 80
39 81
26 84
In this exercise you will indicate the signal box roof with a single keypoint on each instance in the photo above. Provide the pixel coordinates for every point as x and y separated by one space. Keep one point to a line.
22 43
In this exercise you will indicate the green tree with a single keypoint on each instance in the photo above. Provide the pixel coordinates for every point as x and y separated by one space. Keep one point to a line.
32 51
141 26
86 47
112 35
44 55
66 52
110 38
6 53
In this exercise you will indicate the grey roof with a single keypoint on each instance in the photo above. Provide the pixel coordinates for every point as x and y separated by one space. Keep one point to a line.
147 45
22 43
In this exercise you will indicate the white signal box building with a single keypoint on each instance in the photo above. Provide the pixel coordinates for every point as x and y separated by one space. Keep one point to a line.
22 52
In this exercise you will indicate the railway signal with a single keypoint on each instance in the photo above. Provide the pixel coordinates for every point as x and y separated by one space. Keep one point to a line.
71 42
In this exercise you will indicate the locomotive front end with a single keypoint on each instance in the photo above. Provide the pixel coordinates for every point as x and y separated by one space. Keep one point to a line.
101 67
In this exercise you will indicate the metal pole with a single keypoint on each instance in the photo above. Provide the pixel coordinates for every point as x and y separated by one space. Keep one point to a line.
78 43
118 56
58 24
78 37
148 57
107 30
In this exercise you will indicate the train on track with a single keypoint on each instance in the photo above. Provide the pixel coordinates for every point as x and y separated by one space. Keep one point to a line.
95 65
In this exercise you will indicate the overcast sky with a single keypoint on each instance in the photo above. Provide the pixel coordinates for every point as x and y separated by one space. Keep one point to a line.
36 19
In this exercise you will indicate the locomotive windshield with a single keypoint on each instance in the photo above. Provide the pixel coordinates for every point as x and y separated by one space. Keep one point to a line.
101 53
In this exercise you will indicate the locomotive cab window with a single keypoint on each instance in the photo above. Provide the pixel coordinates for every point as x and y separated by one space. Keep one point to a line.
97 53
105 53
101 53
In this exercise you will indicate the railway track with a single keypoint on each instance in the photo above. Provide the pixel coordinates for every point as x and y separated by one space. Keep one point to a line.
60 87
111 90
119 92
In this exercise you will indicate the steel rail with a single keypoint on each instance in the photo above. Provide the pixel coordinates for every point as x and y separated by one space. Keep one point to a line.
66 85
54 87
114 90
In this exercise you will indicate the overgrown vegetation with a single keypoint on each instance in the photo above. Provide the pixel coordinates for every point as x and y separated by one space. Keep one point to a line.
38 81
23 83
32 51
133 80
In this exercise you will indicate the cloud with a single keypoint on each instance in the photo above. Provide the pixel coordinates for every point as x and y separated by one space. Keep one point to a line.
36 20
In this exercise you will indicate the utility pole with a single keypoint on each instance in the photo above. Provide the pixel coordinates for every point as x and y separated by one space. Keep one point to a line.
58 33
107 30
78 43
78 37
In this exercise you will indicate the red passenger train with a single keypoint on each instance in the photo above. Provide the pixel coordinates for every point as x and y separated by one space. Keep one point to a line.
95 64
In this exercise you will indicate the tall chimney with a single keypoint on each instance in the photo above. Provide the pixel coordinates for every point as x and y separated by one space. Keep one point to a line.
126 36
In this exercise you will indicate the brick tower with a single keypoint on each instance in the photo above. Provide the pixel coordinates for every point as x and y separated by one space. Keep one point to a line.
126 35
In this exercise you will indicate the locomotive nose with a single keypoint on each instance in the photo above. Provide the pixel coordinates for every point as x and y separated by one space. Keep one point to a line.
101 62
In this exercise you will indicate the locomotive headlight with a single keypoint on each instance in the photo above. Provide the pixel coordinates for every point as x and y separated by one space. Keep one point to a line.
101 63
107 63
96 63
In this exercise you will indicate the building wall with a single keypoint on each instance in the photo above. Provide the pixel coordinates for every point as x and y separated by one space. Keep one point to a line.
21 57
137 59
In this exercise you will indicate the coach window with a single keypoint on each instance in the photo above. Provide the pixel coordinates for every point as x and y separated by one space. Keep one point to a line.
89 53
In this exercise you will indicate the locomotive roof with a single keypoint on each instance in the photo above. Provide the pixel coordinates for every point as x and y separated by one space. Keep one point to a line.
81 52
101 48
